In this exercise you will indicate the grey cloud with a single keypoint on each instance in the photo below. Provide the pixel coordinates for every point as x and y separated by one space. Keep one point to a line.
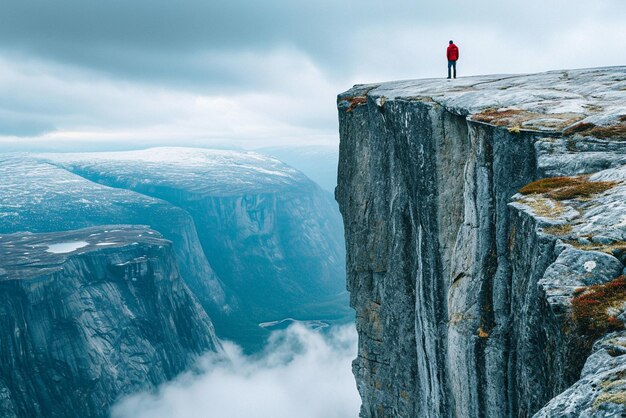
266 72
23 125
170 41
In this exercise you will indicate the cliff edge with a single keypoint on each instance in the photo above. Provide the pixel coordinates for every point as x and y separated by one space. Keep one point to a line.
91 315
485 221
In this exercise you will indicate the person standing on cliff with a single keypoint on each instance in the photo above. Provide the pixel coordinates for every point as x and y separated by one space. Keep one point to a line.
453 56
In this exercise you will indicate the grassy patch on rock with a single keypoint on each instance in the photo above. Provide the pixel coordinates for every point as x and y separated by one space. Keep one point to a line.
612 390
612 397
614 248
546 208
617 131
565 188
517 119
558 230
594 308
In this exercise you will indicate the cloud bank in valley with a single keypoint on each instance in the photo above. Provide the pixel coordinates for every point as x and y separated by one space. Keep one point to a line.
301 373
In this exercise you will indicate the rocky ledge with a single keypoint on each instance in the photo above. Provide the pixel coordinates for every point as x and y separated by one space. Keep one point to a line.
485 221
91 315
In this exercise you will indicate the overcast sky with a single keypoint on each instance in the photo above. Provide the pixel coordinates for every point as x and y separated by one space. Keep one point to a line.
234 73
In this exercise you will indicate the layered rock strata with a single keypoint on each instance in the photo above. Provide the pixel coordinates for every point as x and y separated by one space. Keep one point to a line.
480 289
91 315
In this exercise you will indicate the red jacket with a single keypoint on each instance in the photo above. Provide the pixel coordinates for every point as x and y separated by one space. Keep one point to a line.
453 52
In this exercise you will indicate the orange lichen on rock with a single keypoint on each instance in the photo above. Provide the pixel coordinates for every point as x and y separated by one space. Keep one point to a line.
594 307
482 333
564 188
354 102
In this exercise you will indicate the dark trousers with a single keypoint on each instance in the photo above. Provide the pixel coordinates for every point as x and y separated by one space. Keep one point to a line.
451 64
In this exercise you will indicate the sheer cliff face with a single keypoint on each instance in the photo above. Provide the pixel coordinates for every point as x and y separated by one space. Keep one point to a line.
474 300
90 315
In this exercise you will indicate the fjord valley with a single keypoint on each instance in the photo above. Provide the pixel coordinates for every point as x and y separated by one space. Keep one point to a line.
144 260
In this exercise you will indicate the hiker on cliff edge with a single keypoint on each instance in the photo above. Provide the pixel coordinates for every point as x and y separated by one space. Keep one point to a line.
453 55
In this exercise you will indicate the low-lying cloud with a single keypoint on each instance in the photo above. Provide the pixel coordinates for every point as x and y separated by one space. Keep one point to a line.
301 373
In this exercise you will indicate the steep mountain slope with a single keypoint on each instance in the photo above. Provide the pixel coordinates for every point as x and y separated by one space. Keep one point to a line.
38 197
272 236
319 163
473 300
90 315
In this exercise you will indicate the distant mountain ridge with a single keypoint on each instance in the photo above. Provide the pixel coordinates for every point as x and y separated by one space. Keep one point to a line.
256 240
112 261
318 162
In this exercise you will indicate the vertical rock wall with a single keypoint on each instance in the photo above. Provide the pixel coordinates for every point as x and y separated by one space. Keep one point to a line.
451 283
80 330
401 194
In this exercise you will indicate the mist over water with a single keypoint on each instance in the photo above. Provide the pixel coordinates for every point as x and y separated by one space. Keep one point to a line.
300 373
